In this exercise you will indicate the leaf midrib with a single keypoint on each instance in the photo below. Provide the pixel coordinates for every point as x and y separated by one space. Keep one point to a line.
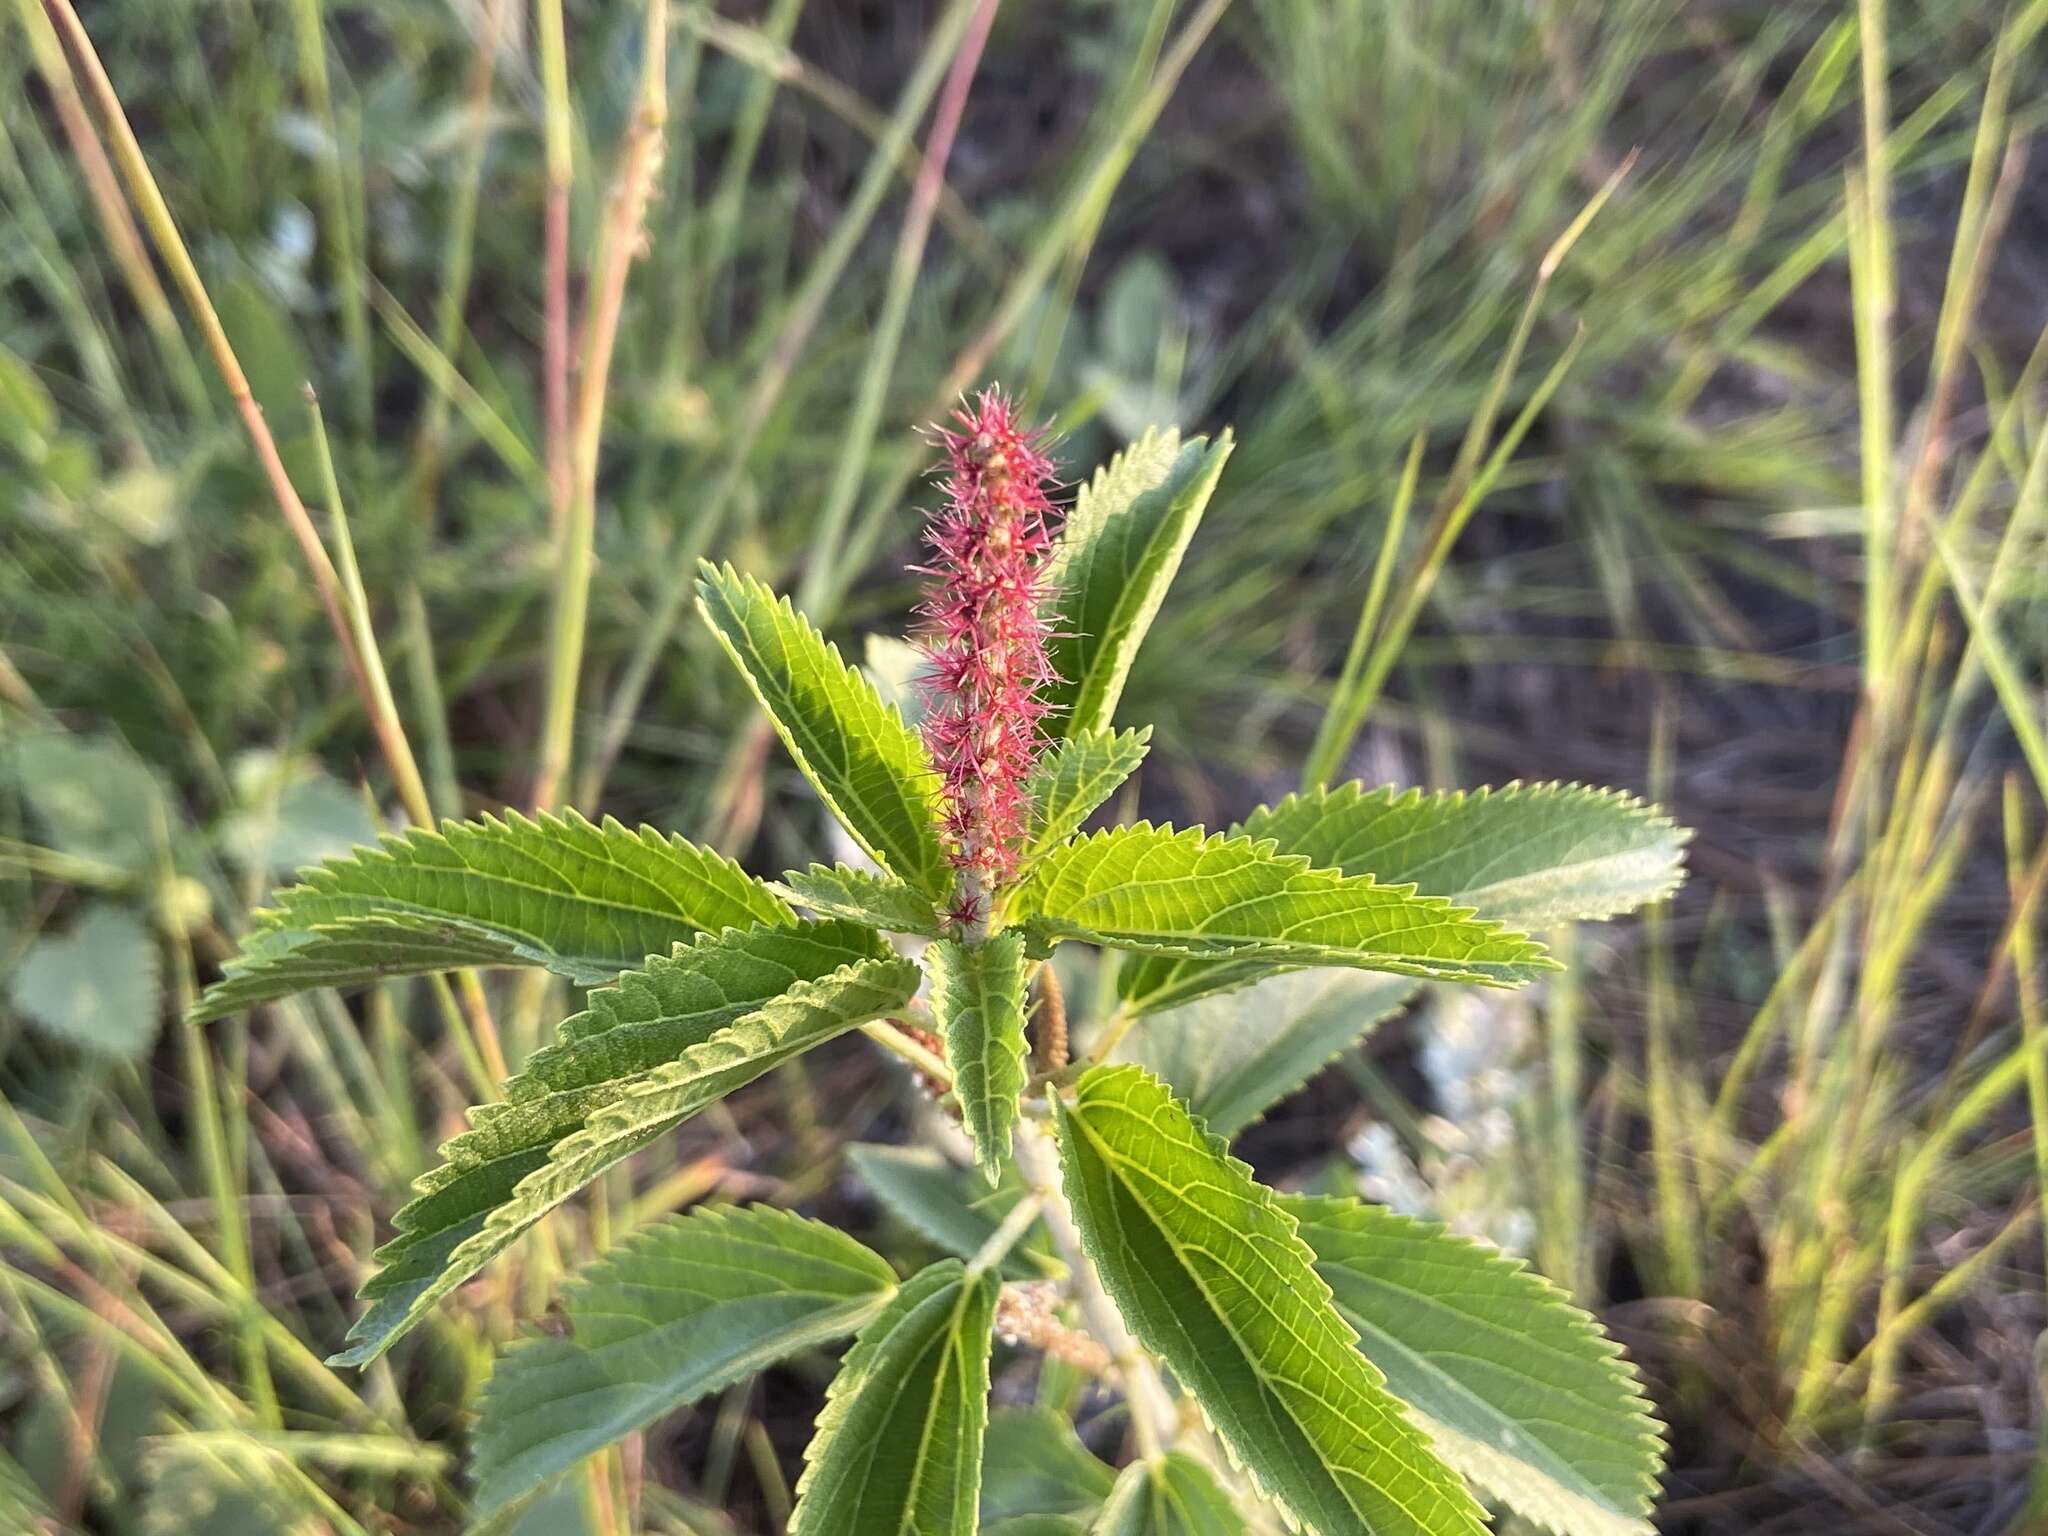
1270 1400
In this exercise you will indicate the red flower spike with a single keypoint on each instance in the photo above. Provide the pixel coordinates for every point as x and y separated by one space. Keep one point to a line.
984 638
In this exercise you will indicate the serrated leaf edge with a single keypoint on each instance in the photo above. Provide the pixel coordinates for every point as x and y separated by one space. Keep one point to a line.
1269 1199
1582 1324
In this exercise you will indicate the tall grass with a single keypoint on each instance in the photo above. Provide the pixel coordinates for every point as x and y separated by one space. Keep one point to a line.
1604 374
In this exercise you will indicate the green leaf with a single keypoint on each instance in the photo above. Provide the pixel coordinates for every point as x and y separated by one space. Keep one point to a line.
1110 570
1527 856
678 1310
898 1446
93 798
1232 1058
1077 776
662 1044
1211 1275
100 986
947 1205
876 900
1216 896
869 767
1173 1496
1516 1388
977 993
22 1505
584 901
1034 1465
291 815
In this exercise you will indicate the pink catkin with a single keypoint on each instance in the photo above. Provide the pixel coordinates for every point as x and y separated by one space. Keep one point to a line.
985 639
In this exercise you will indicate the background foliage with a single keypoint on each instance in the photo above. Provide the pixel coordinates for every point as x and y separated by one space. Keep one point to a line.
1779 1135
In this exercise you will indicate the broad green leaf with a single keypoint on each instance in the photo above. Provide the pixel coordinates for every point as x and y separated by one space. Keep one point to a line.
898 1445
662 1044
947 1205
98 986
866 763
1113 563
1173 1496
1232 1058
1078 774
877 900
291 814
92 798
1212 1277
582 900
1516 1388
1036 1525
678 1310
1527 856
977 994
1034 1465
1220 897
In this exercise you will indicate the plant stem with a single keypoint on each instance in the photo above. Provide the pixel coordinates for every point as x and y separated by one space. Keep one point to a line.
1153 1419
618 242
892 1039
1006 1235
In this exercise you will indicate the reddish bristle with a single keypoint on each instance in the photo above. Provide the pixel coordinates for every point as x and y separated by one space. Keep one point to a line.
985 637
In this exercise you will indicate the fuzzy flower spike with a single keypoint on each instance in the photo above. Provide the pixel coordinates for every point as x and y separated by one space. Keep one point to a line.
985 638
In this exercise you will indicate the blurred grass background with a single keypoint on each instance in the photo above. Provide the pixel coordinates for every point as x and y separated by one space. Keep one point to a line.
1675 364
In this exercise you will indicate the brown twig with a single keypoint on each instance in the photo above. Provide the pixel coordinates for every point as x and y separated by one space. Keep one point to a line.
1052 1021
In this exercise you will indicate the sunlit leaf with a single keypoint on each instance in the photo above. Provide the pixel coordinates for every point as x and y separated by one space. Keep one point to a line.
977 996
1217 897
582 900
666 1042
877 900
898 1445
1109 572
1075 778
678 1310
1516 1388
867 764
1526 856
1211 1275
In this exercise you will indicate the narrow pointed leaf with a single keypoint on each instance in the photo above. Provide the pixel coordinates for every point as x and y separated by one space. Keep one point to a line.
1173 1496
977 993
1524 855
1211 1275
1077 776
1516 1387
877 900
1218 897
864 761
582 900
898 1446
1233 1057
1034 1465
664 1043
1109 572
678 1310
